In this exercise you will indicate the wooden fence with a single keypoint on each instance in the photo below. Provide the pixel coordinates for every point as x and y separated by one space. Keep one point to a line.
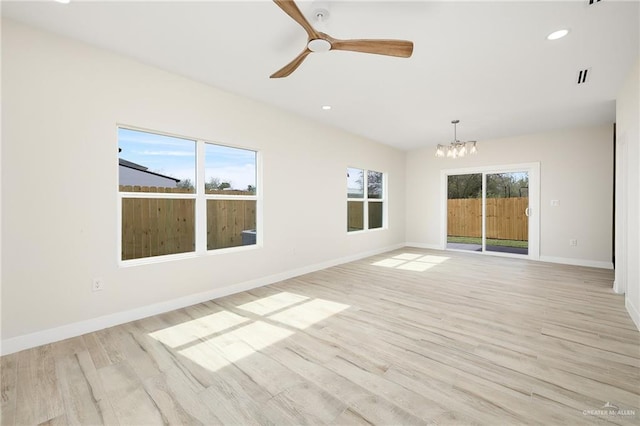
227 219
355 215
159 226
505 218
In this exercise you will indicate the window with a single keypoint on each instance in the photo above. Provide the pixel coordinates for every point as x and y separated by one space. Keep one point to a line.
182 195
365 209
230 188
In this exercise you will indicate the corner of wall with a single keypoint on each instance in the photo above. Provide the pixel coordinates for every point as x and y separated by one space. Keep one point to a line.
634 313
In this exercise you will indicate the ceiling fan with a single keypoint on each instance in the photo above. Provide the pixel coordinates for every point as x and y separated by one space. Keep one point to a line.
320 42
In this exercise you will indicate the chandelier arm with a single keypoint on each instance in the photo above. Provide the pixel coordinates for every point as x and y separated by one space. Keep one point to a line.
456 148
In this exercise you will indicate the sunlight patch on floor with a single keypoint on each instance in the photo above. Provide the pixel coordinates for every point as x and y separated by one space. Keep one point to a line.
275 302
189 331
433 259
218 340
260 334
302 316
407 256
411 262
221 351
389 263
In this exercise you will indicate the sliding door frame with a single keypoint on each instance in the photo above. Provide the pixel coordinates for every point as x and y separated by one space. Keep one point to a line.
534 204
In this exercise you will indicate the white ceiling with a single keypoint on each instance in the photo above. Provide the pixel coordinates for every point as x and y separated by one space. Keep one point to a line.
488 64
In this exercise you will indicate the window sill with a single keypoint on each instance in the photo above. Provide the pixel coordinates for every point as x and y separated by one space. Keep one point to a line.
365 231
183 256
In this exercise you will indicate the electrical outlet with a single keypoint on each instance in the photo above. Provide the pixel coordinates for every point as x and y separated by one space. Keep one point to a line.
573 242
97 284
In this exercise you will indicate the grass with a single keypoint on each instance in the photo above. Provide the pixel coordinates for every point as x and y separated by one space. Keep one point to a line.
490 242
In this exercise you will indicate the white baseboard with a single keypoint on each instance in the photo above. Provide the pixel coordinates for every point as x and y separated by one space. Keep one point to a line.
551 259
577 262
27 341
617 288
634 313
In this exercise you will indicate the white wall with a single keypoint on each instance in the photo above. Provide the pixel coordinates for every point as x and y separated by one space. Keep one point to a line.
628 192
576 168
61 102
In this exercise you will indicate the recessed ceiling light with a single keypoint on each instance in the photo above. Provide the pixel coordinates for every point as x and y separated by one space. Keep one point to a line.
63 1
326 107
557 34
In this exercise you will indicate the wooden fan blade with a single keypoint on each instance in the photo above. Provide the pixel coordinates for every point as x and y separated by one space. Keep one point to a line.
291 66
291 9
400 48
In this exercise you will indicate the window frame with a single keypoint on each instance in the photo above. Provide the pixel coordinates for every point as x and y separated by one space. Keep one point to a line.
200 209
365 200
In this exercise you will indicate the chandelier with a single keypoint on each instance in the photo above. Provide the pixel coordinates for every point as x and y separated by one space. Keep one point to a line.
456 148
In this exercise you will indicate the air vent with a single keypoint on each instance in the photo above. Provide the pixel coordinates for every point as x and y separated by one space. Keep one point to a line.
583 76
593 2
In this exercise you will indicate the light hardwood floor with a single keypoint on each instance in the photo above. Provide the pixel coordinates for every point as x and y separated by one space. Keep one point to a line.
408 337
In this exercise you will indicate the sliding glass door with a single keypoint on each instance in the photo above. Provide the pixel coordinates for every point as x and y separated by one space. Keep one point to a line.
464 212
490 210
506 212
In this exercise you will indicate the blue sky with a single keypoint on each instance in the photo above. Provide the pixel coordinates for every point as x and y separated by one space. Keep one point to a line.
176 157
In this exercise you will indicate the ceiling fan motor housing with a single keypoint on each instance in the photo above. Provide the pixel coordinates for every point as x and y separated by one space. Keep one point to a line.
319 45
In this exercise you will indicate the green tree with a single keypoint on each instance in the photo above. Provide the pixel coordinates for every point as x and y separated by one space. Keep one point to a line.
374 184
464 186
507 185
216 184
185 184
499 185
